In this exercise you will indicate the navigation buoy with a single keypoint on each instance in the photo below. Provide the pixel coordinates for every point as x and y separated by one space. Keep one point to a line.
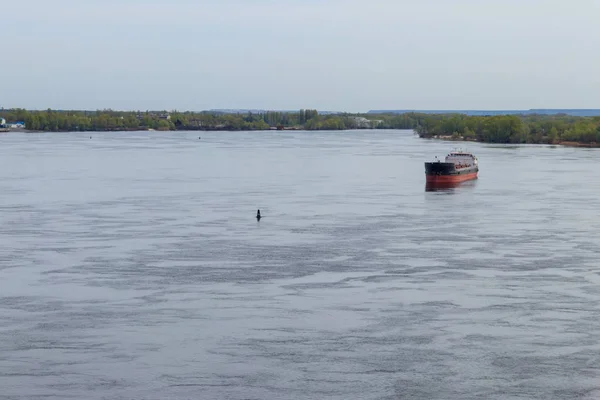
258 217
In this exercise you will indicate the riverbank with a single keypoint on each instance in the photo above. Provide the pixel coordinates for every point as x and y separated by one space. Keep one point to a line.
11 130
436 137
512 129
563 129
576 144
114 121
556 143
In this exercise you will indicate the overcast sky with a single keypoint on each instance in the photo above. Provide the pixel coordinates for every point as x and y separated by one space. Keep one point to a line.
342 55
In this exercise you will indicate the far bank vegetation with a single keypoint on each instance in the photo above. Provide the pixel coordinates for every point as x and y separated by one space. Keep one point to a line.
533 128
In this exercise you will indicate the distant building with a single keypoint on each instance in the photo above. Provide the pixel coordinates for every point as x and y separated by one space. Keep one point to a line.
2 122
140 116
362 122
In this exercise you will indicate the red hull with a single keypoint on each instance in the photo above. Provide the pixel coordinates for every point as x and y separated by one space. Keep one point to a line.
450 178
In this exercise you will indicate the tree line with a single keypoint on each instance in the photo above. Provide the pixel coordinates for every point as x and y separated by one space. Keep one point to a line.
492 129
539 129
109 120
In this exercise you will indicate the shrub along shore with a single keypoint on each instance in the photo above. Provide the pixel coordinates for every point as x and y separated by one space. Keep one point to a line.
531 128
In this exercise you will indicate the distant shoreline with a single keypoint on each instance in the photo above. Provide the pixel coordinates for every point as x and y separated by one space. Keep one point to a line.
439 138
564 143
557 129
15 130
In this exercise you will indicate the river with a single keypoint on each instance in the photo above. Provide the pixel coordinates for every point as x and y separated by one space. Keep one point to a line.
132 267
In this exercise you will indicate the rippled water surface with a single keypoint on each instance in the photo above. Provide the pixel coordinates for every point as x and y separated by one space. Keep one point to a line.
132 267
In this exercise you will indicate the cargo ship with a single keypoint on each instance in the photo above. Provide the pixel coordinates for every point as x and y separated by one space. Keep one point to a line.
459 166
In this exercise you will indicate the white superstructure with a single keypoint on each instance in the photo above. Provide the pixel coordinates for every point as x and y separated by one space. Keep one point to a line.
461 158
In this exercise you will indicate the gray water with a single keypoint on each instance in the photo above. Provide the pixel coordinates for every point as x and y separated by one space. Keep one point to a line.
132 267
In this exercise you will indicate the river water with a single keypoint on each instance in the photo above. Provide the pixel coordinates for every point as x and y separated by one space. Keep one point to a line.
132 267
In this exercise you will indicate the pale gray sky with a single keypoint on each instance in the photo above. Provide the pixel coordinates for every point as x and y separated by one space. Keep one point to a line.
343 55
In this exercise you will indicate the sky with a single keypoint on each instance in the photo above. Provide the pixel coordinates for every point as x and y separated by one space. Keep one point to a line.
334 55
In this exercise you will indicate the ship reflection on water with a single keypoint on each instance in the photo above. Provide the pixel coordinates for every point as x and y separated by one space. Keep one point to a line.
449 186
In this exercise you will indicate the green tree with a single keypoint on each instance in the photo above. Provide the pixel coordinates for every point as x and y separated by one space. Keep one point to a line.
553 135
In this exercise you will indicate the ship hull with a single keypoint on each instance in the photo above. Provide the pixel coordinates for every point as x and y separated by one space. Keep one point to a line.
450 178
443 173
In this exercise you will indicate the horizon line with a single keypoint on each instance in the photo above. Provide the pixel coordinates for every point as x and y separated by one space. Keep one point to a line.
287 110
